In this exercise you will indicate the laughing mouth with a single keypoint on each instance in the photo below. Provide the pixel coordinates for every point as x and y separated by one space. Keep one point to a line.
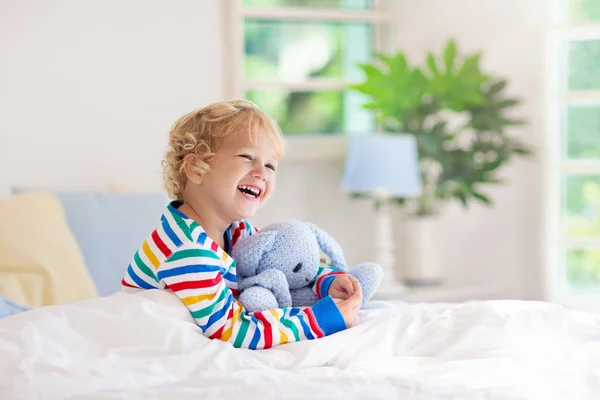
251 191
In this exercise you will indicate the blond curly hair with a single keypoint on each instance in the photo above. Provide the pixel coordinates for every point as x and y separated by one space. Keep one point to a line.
200 133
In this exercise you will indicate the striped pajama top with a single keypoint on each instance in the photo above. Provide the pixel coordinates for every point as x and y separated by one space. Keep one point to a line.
180 257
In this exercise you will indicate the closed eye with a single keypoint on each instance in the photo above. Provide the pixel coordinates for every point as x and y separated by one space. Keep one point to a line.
246 156
271 167
298 267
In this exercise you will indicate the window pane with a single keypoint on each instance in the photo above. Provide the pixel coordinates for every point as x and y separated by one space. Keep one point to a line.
325 112
582 131
581 205
344 4
296 51
583 58
579 10
583 267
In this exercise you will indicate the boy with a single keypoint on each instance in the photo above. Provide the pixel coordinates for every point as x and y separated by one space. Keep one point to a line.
220 168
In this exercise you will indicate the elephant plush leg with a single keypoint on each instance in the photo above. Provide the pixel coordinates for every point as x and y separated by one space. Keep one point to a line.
303 297
369 275
257 298
273 280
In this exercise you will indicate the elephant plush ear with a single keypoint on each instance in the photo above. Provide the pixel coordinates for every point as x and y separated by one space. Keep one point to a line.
330 247
249 250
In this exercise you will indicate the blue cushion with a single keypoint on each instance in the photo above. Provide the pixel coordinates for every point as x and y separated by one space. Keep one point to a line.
110 227
8 307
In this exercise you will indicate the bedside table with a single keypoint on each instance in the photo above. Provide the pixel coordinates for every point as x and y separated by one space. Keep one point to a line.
441 294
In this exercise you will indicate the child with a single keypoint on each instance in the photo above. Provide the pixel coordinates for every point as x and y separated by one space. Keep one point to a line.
220 168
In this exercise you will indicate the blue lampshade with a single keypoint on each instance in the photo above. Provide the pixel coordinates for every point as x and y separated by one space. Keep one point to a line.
387 163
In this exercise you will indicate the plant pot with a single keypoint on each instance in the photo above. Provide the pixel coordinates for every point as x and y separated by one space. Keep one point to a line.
419 257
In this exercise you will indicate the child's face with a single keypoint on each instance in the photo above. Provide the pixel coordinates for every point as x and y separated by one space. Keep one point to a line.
242 175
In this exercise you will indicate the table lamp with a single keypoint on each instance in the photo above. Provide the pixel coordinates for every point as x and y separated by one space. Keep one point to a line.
381 167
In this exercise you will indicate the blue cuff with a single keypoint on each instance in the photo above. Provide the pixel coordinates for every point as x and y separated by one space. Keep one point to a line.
328 316
326 284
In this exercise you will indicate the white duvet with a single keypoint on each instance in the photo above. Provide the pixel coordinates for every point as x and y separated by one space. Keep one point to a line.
146 346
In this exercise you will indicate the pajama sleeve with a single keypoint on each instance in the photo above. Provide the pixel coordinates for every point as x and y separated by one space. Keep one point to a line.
323 279
196 274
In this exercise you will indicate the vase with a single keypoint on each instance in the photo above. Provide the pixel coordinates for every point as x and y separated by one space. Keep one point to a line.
419 252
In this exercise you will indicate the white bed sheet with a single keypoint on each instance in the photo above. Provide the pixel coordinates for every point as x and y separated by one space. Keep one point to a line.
146 346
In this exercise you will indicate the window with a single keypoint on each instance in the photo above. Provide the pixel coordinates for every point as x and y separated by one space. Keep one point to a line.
295 58
573 129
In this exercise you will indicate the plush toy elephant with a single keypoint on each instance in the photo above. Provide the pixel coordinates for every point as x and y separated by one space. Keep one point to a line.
277 266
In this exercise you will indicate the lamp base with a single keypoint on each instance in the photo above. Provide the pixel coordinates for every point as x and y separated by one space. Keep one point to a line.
421 262
384 242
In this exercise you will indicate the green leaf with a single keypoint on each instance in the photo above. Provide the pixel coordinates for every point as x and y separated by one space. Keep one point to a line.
359 196
439 128
495 181
491 166
370 106
449 56
365 88
481 197
427 145
463 199
432 64
419 80
497 87
513 121
398 64
464 186
506 103
386 59
522 151
471 66
374 74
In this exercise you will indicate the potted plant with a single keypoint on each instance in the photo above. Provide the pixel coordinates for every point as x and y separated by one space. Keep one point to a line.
459 116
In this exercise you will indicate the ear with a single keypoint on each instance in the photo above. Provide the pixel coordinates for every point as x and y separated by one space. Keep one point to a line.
330 247
248 251
193 173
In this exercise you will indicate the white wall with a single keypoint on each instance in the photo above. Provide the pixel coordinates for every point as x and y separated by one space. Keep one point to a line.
89 89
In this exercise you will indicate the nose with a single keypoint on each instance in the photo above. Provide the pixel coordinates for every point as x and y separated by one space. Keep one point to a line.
260 172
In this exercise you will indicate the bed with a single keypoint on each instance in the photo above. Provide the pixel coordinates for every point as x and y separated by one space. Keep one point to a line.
147 346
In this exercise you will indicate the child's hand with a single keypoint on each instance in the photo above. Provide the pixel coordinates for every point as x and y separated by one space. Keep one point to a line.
344 286
349 308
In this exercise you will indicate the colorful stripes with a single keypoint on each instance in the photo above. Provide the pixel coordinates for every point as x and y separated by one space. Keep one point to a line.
153 260
186 285
237 233
267 330
325 277
160 244
180 256
141 283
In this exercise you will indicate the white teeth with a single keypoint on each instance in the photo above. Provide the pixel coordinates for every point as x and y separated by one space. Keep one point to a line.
253 190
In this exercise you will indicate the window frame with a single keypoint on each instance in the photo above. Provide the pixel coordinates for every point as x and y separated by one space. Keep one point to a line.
309 146
555 166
